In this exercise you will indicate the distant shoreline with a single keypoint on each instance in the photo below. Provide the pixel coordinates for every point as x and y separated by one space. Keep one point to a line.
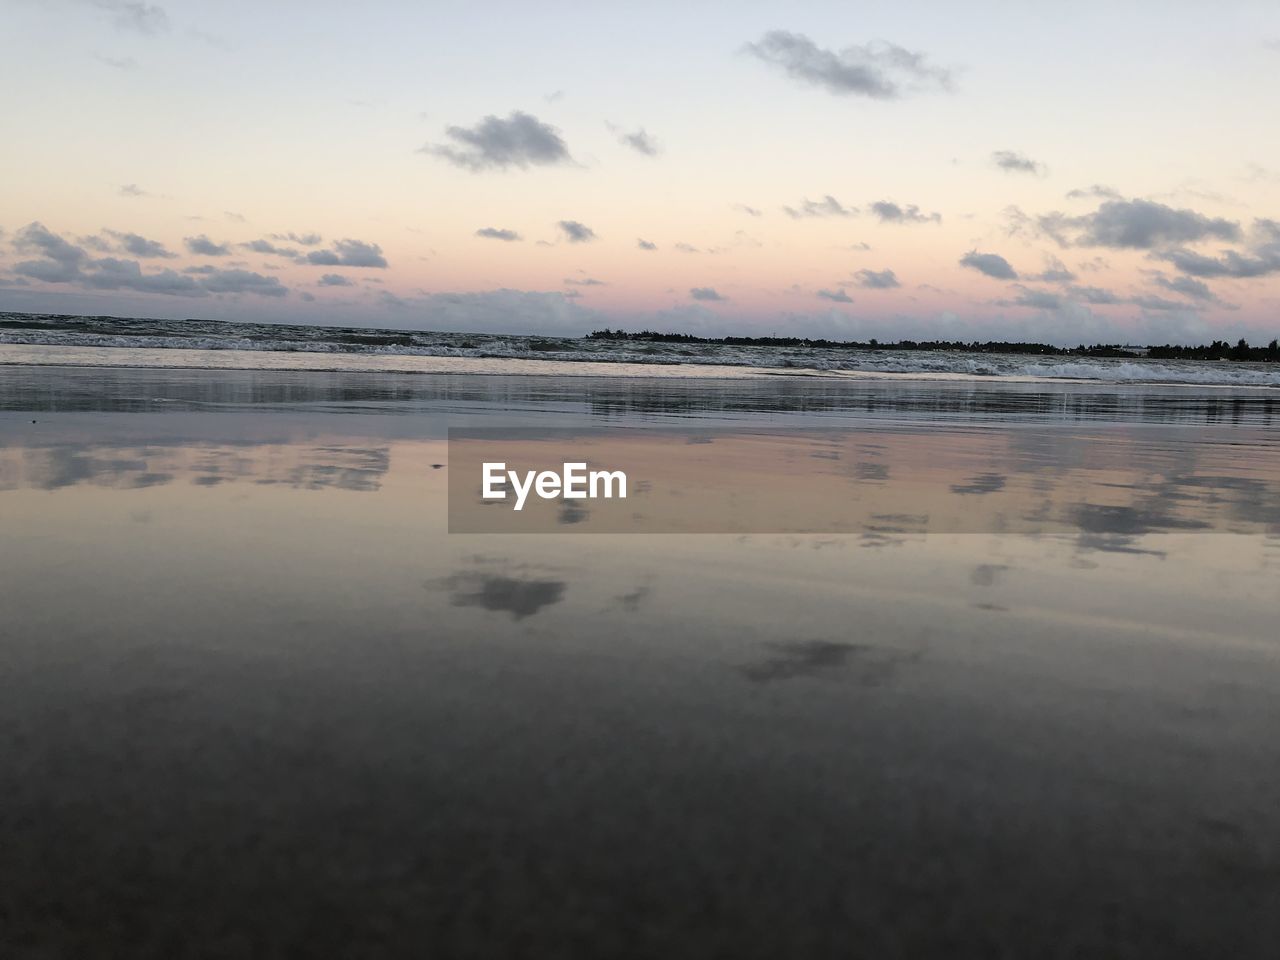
1217 350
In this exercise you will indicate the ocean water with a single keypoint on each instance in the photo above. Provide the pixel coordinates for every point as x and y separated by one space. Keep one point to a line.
342 348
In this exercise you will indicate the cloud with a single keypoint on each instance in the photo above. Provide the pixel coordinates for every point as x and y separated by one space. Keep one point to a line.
686 247
1055 271
576 232
64 262
892 213
132 190
641 142
1230 264
1012 162
828 206
35 237
499 311
706 293
991 264
1190 287
305 239
205 247
646 245
877 279
141 18
749 211
521 140
1142 224
585 282
243 281
1095 296
1040 299
1130 225
497 233
267 247
334 280
140 246
117 63
349 253
880 71
112 274
1097 190
838 296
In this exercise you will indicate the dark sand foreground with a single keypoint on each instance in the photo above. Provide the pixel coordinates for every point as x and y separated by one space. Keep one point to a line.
255 701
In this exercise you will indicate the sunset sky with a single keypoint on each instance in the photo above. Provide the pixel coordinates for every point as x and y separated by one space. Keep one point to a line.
1055 172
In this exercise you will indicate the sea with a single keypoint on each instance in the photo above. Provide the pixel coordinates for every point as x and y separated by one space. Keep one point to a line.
241 345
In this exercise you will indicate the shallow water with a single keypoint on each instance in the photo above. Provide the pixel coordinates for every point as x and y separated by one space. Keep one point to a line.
255 696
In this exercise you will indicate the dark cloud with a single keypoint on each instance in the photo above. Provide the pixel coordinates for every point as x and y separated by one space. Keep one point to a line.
641 142
243 281
837 296
686 247
880 71
497 233
205 247
334 280
646 245
1128 224
706 293
576 232
991 264
877 279
64 262
1189 287
140 246
828 206
349 253
1143 224
1263 260
521 140
112 274
35 237
1013 162
584 282
749 211
889 212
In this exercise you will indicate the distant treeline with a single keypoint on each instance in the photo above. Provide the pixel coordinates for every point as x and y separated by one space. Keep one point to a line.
1218 350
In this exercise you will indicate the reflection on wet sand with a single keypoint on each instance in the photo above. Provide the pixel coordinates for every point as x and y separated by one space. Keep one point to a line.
272 677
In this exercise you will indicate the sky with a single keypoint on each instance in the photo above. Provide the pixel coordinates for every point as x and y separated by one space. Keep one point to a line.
1065 173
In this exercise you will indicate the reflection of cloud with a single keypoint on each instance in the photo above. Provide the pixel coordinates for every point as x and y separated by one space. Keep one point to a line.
519 597
807 657
981 484
125 467
571 513
800 658
631 601
986 574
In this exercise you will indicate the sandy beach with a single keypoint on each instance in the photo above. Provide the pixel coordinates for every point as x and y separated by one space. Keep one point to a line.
257 697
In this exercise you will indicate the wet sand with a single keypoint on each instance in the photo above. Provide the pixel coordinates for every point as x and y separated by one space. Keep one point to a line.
257 701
